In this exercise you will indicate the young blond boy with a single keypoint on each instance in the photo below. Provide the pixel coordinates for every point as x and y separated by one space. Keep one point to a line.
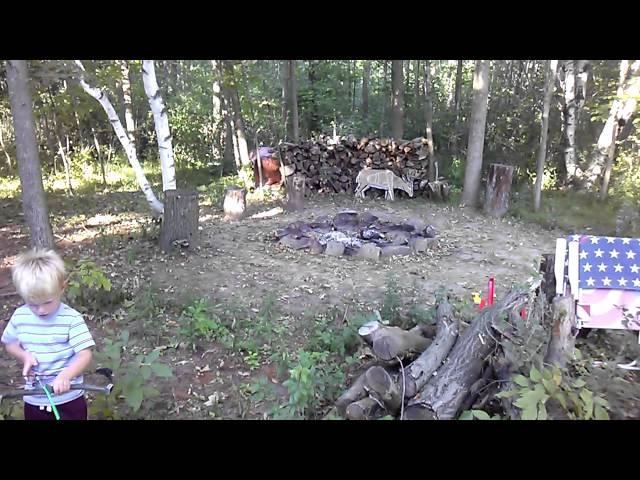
50 338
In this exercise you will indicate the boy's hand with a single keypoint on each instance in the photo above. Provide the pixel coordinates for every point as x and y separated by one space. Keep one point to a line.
61 384
29 360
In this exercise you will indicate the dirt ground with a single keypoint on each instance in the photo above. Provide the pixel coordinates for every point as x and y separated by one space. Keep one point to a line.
240 263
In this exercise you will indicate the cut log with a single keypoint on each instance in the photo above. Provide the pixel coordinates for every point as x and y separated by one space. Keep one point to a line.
383 388
364 409
180 221
563 331
392 250
235 203
295 186
387 343
353 394
369 251
442 396
421 370
498 189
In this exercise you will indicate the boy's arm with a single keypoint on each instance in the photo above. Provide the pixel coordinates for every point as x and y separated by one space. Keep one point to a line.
27 358
81 361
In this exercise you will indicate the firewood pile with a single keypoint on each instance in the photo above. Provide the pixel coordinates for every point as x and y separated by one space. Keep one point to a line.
331 165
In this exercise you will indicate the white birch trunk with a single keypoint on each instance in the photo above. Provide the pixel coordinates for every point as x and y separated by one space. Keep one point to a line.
161 122
129 149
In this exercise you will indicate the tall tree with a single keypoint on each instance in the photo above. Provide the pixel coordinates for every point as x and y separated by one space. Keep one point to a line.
621 111
366 76
293 97
456 107
397 107
428 118
34 203
161 122
477 125
385 95
155 205
236 111
128 102
550 67
216 115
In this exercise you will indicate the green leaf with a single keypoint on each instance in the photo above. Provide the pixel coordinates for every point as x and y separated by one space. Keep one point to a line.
153 356
542 412
125 336
601 401
521 380
466 415
600 413
577 354
507 394
549 385
547 374
559 396
535 375
134 399
481 414
530 413
579 383
162 370
146 372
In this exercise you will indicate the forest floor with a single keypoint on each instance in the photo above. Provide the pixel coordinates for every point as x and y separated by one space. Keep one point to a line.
262 304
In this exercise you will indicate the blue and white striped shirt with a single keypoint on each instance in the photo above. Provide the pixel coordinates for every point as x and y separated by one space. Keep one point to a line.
53 341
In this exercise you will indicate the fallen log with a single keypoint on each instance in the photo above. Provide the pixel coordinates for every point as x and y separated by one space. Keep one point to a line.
383 387
354 393
443 396
364 409
387 343
421 370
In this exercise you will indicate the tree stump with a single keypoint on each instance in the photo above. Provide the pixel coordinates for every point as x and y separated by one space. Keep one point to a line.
180 220
295 186
498 189
235 202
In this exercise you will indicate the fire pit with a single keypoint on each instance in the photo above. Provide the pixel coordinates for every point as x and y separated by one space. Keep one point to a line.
360 235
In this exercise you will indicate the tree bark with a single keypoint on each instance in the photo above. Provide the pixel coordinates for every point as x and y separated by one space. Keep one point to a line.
563 331
180 223
421 370
161 122
428 119
236 109
476 133
34 202
366 76
295 186
101 97
397 106
293 96
216 117
387 343
499 180
384 96
128 103
550 68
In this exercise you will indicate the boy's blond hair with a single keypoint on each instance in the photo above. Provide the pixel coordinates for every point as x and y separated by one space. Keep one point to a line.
39 275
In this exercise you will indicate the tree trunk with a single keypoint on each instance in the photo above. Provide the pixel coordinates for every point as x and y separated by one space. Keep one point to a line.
620 113
416 80
428 119
570 120
284 78
238 123
229 155
4 147
397 107
366 76
216 117
128 103
295 186
235 203
499 179
458 91
101 97
293 96
563 331
387 343
100 156
161 122
476 133
385 74
550 68
34 202
314 121
180 222
61 150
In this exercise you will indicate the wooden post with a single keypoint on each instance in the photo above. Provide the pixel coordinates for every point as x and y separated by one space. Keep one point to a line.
499 180
563 331
295 186
235 202
180 221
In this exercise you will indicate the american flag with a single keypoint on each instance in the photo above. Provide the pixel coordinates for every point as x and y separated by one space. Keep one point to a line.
609 281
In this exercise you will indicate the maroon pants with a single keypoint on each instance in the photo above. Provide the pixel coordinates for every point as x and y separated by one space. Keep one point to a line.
73 410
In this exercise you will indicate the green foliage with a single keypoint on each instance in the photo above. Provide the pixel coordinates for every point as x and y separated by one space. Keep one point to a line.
133 378
391 302
199 321
533 394
477 415
89 289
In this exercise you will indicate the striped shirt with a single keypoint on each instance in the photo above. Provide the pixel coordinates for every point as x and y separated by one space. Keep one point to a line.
53 341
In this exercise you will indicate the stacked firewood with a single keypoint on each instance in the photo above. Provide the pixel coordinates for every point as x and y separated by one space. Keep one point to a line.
331 164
